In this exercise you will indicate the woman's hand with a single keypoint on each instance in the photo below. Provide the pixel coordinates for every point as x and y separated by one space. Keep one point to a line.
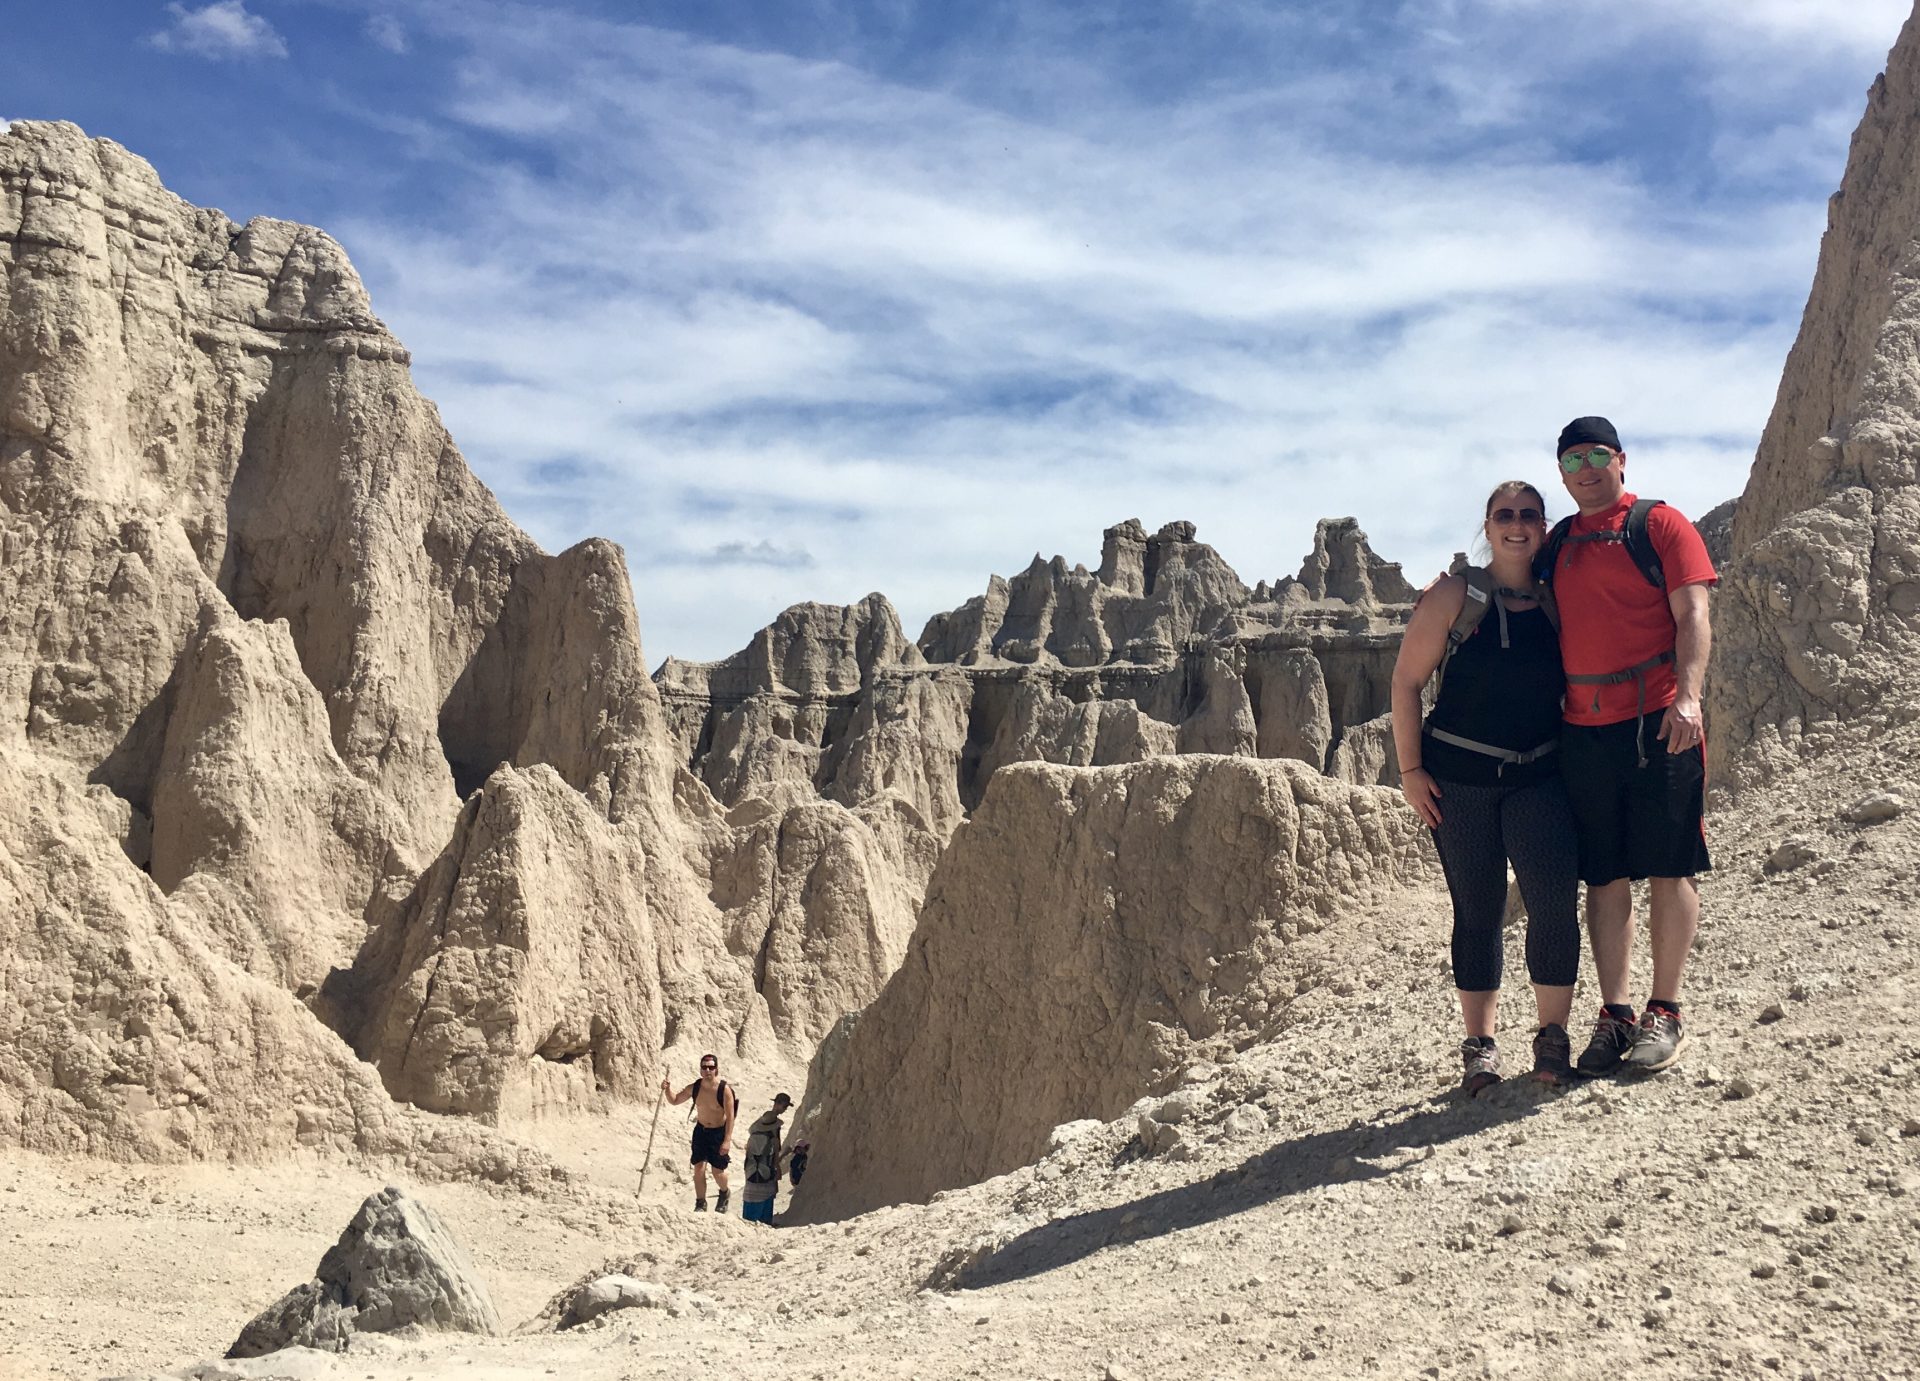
1423 794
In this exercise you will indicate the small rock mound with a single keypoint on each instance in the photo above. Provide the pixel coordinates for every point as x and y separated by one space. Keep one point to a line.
395 1267
616 1285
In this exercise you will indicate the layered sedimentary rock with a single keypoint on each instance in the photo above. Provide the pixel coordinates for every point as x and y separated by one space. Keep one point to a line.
1818 617
1161 650
262 632
1121 921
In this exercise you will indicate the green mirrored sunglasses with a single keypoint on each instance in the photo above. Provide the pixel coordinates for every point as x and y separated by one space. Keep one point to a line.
1599 458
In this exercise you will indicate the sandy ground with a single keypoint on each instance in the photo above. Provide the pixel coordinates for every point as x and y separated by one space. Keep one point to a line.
1754 1212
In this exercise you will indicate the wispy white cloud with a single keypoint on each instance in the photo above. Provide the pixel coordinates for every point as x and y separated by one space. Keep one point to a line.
789 329
387 32
221 29
1866 27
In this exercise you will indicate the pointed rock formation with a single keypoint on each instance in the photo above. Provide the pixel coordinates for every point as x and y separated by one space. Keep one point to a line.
1123 921
266 630
1818 616
395 1267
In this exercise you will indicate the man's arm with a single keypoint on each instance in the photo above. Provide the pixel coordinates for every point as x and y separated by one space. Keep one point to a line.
666 1088
1682 726
733 1106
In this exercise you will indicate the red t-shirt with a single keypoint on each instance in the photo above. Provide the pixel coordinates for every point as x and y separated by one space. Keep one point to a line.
1611 618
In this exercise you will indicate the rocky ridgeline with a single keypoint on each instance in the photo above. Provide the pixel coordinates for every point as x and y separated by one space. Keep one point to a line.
1162 650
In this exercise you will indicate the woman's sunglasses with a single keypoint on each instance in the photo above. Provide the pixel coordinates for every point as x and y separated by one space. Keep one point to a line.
1599 458
1504 516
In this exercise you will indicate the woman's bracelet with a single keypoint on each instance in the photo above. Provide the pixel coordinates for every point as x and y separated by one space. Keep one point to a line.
1415 768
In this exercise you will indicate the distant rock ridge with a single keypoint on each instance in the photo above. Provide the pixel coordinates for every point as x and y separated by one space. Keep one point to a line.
1163 649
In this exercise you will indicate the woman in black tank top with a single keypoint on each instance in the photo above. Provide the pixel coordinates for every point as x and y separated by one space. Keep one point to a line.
1481 771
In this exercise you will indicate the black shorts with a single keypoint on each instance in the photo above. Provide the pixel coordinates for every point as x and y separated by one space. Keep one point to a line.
1634 822
706 1146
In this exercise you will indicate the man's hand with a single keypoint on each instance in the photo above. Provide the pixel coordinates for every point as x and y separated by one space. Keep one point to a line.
726 1146
1681 727
666 1087
1423 794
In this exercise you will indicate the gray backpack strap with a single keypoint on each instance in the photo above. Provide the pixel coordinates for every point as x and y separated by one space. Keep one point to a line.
1473 608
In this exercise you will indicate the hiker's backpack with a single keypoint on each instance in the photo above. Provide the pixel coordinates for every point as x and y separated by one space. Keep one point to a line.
763 1157
1632 534
797 1161
1480 596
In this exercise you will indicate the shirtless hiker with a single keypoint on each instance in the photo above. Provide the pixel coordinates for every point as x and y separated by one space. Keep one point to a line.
713 1108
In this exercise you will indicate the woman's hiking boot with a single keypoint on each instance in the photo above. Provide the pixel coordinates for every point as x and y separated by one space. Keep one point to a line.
1480 1061
1613 1036
1659 1040
1552 1054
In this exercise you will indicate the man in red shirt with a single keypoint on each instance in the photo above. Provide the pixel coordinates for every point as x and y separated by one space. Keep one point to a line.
1633 749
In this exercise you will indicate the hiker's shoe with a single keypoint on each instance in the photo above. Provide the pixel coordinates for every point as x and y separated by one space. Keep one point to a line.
1480 1064
1659 1040
720 1204
1552 1054
699 1205
1612 1037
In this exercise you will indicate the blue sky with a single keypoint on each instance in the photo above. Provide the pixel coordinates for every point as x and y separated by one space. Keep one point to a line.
798 300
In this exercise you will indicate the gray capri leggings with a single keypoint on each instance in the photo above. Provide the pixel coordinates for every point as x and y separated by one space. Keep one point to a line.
1481 827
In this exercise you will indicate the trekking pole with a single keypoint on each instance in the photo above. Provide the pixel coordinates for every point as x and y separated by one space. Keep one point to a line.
652 1127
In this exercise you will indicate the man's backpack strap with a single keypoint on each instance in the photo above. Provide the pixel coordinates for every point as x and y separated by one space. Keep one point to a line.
1640 543
1549 556
1633 535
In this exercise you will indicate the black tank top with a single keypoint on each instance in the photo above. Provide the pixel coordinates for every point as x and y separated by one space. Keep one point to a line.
1506 696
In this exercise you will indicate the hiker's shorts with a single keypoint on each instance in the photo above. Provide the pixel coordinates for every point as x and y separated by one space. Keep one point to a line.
1634 822
757 1211
706 1146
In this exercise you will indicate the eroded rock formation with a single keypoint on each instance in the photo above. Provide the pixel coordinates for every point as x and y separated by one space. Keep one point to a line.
1818 616
262 632
1120 922
1162 650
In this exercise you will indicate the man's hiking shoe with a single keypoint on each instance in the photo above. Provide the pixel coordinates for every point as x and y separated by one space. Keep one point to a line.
699 1205
1612 1037
1480 1061
1552 1054
1658 1042
720 1204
